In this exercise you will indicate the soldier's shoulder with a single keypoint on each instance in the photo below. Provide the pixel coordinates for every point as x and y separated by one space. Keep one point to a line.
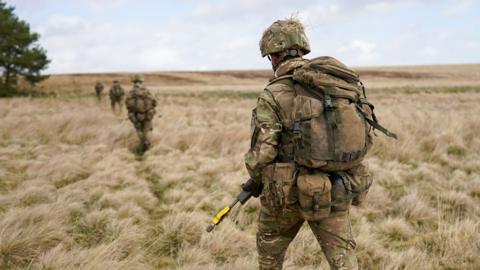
280 84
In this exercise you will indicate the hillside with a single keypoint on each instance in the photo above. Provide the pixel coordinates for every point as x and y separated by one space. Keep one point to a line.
374 78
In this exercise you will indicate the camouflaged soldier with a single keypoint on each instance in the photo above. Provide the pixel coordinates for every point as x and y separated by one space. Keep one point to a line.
309 137
141 110
98 90
116 94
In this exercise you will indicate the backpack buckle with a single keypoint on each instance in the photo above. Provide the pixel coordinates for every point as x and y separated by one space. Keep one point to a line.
328 103
297 129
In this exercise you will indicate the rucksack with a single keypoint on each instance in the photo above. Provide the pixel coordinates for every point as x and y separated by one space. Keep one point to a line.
140 105
332 117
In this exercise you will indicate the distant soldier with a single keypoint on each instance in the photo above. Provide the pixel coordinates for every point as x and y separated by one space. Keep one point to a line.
141 105
116 95
98 90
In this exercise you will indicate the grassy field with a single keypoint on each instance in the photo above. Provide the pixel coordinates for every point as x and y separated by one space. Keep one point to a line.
73 195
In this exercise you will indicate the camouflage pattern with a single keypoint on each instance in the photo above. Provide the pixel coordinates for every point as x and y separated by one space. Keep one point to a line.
271 142
116 94
267 122
98 90
141 105
275 232
284 35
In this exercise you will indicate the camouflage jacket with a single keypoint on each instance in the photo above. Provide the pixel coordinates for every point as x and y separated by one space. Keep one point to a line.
98 87
272 123
116 91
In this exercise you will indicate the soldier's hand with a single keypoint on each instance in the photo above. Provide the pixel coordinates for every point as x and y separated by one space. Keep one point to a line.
253 187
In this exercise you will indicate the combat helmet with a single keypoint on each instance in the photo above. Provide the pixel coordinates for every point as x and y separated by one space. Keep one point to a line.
137 78
284 35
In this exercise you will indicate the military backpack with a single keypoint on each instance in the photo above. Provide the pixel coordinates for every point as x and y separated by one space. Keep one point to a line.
332 118
140 105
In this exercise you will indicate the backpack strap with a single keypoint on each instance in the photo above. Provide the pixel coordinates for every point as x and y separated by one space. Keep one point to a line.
330 108
374 121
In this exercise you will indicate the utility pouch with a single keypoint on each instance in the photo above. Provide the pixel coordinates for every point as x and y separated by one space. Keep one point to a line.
314 195
141 117
341 192
130 102
279 187
360 180
149 114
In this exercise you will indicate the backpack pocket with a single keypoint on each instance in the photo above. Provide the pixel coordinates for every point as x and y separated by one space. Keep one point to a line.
279 187
333 137
360 180
309 136
314 195
350 134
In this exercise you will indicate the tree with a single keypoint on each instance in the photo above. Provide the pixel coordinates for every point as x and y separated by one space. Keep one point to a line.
20 55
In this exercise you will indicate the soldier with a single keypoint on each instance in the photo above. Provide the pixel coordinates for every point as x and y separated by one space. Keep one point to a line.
309 137
98 90
141 105
116 96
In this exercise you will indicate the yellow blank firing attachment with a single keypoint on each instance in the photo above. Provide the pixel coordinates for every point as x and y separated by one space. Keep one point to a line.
218 217
241 198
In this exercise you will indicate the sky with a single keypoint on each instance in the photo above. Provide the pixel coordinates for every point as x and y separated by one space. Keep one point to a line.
146 35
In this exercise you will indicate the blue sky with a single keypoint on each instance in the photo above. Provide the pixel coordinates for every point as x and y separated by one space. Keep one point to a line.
127 35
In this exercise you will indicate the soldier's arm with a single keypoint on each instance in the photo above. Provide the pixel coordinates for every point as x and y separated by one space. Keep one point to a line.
153 98
267 127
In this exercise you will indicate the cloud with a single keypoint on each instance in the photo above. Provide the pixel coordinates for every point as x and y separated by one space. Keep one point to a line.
103 4
76 44
224 34
381 6
29 6
458 7
60 25
359 52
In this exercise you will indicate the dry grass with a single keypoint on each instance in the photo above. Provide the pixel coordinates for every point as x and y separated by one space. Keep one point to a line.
74 196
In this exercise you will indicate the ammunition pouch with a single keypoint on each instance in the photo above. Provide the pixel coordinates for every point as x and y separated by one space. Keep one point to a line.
314 195
279 187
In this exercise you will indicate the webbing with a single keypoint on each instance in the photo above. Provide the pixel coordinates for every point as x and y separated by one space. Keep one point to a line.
375 123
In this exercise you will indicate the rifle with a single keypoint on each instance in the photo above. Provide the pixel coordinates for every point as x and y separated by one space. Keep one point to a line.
242 198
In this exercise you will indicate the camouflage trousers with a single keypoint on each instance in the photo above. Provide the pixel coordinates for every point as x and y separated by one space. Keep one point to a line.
144 133
114 103
275 232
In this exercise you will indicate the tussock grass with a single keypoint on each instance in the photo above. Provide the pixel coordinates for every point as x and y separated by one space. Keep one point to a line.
74 195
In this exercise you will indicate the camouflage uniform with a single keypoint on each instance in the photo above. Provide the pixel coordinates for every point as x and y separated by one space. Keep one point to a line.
116 94
141 105
98 90
272 144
